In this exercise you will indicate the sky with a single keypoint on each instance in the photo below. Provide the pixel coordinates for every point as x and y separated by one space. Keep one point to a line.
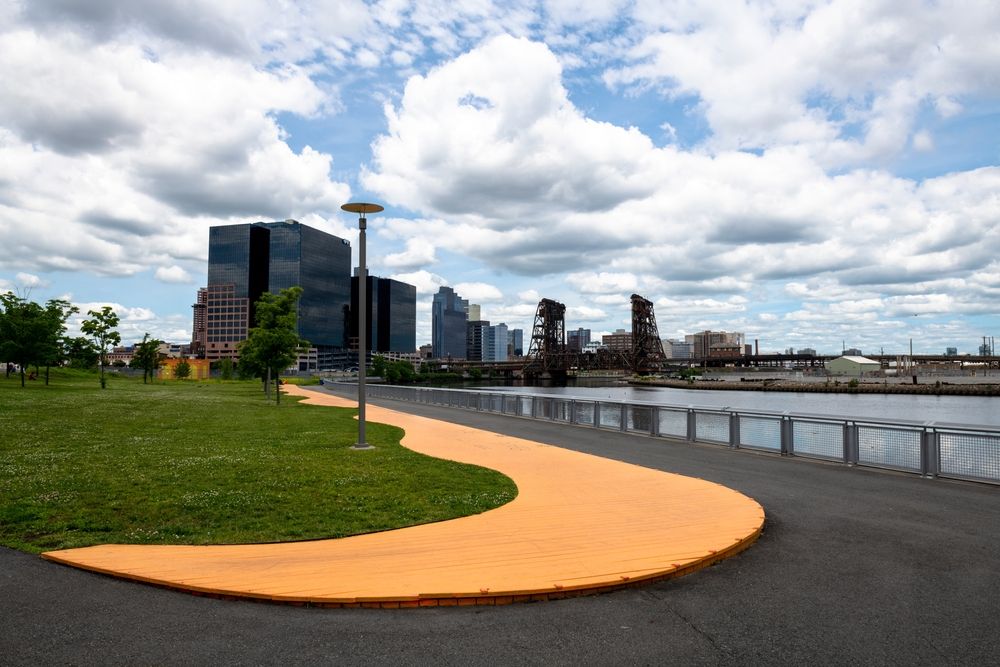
812 174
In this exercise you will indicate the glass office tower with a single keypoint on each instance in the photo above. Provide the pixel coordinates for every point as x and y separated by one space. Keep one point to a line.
245 261
449 314
391 315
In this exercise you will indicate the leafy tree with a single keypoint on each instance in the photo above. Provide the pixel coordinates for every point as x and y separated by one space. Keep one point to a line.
379 366
53 347
273 344
101 329
31 334
147 357
226 369
182 370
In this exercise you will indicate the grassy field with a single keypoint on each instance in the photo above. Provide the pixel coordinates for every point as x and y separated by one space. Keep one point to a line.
208 463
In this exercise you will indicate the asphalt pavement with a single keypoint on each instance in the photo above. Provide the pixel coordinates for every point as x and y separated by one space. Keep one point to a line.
855 566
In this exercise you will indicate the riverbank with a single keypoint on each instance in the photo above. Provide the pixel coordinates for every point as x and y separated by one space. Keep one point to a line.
937 388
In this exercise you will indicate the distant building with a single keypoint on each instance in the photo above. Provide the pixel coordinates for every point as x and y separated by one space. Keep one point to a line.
477 340
702 342
515 343
495 346
390 317
725 351
675 349
852 365
199 328
807 350
426 351
577 340
951 352
593 346
448 324
474 310
852 352
619 341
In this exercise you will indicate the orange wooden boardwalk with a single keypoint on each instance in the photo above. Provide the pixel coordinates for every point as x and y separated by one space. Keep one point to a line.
579 524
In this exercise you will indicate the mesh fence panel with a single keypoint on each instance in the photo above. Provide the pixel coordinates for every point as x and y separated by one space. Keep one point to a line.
673 422
760 432
974 455
560 411
638 418
525 406
584 413
510 405
543 408
889 447
821 439
712 427
610 415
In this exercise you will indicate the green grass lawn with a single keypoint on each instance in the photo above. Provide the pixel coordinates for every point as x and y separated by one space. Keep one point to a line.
208 463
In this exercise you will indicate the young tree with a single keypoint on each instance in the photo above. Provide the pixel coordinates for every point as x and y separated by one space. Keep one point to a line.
182 370
53 351
101 328
147 357
226 369
273 344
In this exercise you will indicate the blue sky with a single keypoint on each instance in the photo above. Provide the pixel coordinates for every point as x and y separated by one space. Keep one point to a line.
804 172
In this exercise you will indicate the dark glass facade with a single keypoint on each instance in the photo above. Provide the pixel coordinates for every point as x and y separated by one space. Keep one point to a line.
270 256
449 314
391 315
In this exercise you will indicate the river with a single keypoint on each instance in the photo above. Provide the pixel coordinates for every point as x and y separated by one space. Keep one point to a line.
970 410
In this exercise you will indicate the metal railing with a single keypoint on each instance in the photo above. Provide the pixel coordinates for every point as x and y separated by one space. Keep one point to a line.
932 449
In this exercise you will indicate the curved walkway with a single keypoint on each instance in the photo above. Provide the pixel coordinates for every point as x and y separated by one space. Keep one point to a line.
579 524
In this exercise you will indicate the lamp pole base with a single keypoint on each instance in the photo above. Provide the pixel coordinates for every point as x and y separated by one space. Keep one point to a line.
362 446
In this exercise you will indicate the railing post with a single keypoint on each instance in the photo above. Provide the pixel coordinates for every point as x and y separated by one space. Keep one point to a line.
787 436
572 411
597 414
734 430
692 425
623 422
850 443
654 421
930 457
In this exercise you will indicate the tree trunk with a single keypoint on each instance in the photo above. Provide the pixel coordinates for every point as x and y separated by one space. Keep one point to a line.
267 385
46 375
22 376
277 388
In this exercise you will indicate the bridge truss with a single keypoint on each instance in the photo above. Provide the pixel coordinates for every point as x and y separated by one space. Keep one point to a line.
549 356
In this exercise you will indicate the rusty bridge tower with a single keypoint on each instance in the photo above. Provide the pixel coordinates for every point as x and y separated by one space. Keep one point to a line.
647 348
547 353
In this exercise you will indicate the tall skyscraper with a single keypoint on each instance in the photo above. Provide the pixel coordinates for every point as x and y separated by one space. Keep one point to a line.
515 343
245 261
477 340
448 319
497 346
391 317
199 325
577 340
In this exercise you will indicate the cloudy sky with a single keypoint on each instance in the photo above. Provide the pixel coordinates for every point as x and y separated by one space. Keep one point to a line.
806 172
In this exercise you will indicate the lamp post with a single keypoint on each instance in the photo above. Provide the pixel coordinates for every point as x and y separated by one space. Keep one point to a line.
361 209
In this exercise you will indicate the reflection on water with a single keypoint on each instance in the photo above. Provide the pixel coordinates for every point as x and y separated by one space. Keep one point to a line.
983 410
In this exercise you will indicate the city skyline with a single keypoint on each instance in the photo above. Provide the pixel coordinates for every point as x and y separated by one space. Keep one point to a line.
806 174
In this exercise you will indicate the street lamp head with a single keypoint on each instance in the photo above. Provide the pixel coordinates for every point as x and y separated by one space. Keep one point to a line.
362 208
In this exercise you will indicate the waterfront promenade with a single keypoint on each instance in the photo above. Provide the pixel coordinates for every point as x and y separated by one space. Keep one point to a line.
596 526
855 566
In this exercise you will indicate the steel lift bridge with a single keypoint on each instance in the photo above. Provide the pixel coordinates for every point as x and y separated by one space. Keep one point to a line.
549 358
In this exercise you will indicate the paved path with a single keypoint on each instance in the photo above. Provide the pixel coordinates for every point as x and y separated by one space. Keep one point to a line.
579 524
854 566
